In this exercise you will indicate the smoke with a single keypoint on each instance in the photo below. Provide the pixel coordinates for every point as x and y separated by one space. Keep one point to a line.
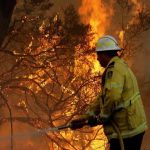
140 65
25 142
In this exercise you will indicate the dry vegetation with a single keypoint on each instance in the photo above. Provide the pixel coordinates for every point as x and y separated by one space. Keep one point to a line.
47 74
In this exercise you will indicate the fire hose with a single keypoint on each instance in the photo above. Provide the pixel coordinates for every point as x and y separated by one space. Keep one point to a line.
119 135
75 124
94 121
34 133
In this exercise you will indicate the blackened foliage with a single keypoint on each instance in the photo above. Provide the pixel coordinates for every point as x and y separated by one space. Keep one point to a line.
46 4
73 28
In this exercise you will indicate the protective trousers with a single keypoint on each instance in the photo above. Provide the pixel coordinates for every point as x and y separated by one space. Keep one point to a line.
129 143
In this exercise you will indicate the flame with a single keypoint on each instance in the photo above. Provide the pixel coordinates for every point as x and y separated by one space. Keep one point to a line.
97 15
121 37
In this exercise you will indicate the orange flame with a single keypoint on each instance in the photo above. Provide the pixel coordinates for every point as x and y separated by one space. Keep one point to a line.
97 15
121 37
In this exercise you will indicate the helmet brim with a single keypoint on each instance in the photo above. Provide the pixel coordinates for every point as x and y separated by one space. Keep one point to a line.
105 50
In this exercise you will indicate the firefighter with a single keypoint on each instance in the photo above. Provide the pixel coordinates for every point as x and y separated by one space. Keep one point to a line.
119 106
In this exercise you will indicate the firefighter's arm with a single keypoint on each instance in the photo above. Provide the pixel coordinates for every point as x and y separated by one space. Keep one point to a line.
90 116
112 92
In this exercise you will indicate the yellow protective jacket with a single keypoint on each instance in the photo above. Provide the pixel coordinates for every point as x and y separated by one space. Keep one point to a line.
120 97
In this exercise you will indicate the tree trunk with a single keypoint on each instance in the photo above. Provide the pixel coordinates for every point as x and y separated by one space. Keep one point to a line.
6 10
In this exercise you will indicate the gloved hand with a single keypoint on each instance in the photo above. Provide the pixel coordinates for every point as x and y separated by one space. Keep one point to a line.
94 121
78 123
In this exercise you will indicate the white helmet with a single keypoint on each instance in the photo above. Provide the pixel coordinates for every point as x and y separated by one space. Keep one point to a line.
107 43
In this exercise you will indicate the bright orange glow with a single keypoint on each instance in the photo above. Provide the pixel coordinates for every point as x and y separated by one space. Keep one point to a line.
97 15
121 37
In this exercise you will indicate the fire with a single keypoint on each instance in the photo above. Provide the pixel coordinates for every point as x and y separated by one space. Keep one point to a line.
97 15
121 37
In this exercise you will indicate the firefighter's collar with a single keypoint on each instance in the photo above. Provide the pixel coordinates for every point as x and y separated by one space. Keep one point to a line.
112 60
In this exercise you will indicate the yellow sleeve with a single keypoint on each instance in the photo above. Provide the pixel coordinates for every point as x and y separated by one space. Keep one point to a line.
111 91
